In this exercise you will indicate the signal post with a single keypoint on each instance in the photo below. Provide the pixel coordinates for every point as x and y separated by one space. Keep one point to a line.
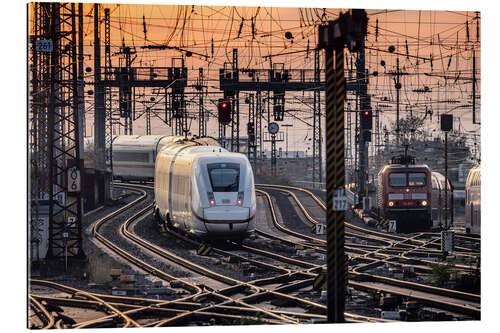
350 29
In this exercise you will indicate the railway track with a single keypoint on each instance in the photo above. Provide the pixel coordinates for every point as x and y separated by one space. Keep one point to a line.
464 303
219 297
255 299
293 277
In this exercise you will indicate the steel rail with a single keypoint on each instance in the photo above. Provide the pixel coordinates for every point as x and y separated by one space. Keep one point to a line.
264 292
145 266
77 292
394 237
419 287
41 311
172 257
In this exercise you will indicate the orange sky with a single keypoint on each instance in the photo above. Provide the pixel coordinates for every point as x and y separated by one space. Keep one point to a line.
435 34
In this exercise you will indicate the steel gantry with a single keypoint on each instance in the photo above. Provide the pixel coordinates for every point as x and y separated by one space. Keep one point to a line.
54 135
277 81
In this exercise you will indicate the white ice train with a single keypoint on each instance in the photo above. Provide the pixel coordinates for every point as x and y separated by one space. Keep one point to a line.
205 190
134 156
199 187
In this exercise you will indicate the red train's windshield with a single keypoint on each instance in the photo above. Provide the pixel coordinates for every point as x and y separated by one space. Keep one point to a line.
403 179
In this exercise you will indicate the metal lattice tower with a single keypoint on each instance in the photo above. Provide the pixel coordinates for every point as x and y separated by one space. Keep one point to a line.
38 152
235 107
108 97
202 125
317 151
54 140
258 123
148 121
252 144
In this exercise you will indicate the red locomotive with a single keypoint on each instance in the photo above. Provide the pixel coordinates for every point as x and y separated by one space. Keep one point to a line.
405 193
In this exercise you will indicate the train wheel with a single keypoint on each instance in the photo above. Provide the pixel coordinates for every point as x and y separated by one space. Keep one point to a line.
158 218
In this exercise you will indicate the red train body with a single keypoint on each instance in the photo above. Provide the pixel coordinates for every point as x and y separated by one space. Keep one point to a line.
404 195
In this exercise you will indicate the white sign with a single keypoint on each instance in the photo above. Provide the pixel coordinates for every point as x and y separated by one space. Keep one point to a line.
71 220
61 198
74 183
340 199
392 226
44 45
320 229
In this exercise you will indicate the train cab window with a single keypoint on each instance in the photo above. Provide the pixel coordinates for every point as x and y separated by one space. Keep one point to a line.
416 179
397 179
224 177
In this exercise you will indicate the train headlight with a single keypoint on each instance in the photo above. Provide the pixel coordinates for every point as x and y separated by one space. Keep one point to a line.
241 195
391 203
424 203
211 198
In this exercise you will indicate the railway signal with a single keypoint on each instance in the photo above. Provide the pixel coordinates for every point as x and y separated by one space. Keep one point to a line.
224 108
251 132
366 118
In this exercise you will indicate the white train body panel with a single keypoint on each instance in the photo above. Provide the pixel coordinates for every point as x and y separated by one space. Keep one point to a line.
205 190
134 156
473 201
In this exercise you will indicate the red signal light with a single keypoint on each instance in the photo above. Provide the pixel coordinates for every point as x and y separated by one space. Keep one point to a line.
224 111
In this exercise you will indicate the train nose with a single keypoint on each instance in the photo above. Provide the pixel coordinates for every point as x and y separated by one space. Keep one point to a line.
231 219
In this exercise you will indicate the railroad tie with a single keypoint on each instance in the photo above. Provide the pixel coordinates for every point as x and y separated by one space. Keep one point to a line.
319 282
204 250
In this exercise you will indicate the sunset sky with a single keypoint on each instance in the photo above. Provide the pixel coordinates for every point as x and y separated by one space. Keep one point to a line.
417 35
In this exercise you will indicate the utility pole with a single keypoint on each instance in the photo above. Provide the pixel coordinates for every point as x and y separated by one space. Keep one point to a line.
474 72
202 126
446 234
286 125
81 81
473 86
364 131
333 37
102 179
317 135
398 87
235 105
258 122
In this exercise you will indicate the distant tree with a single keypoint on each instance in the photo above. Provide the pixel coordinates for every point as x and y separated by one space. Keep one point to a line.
410 128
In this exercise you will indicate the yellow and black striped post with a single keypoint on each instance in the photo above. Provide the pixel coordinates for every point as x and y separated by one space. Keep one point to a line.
335 95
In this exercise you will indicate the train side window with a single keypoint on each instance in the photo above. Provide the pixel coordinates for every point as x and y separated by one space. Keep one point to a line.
397 179
417 179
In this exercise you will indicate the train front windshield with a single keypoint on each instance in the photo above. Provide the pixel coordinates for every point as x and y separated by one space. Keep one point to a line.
224 177
402 179
416 179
